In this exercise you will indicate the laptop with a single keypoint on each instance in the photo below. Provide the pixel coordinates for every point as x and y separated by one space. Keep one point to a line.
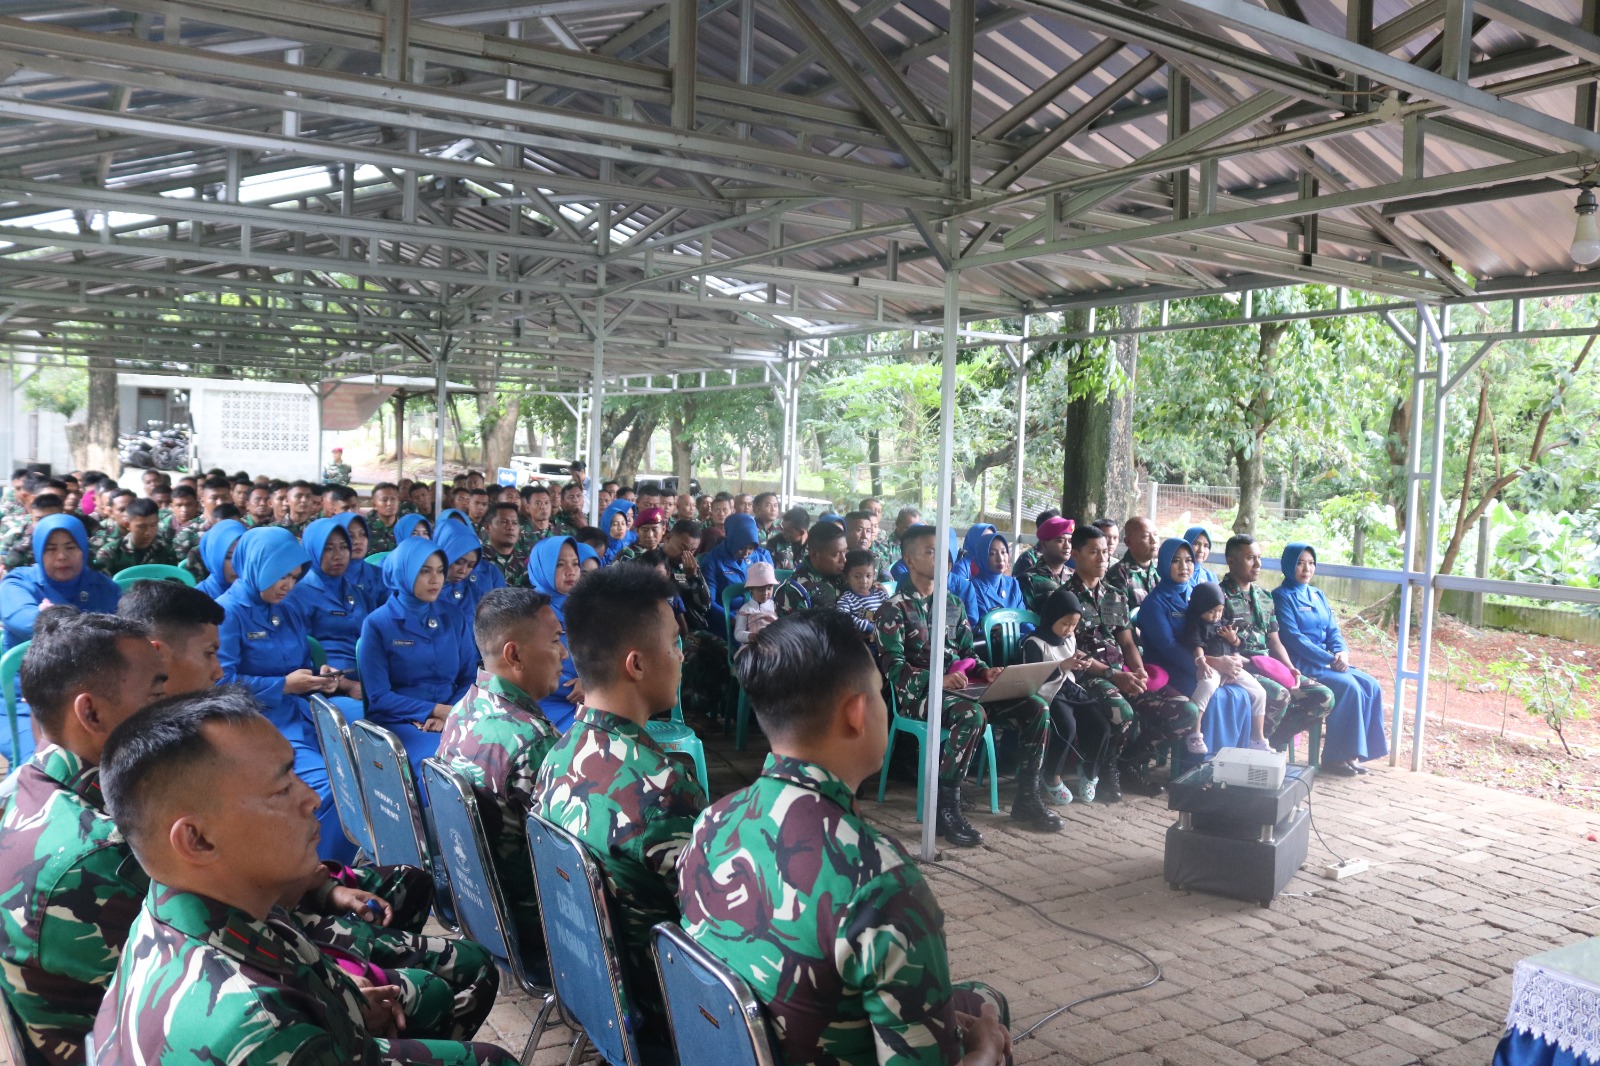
1014 683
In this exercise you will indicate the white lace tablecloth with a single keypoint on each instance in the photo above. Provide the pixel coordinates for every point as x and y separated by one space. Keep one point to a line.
1555 996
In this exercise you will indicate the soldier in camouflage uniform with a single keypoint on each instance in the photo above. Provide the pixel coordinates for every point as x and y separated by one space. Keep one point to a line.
215 972
1049 570
338 471
1249 609
535 526
904 626
140 546
498 737
819 581
1117 675
861 534
385 512
788 544
846 949
607 782
502 544
1135 573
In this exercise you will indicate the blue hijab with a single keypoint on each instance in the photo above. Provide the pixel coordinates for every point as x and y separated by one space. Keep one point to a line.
452 513
989 589
400 570
614 545
265 556
457 540
585 553
970 548
1161 618
542 570
1202 573
214 545
27 586
404 525
1289 560
343 588
367 577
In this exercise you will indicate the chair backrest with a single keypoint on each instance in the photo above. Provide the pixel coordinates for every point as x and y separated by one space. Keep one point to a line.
393 812
152 572
784 575
584 965
377 558
319 658
10 667
480 905
1001 629
18 1051
715 1017
731 592
333 733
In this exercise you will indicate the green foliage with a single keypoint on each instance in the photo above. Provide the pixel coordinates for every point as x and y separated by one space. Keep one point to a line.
1554 549
1551 689
62 389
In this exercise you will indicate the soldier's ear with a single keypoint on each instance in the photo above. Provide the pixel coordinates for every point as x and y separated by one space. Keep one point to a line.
190 842
90 716
852 711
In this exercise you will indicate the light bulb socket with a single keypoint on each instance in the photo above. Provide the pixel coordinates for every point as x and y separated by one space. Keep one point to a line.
1587 203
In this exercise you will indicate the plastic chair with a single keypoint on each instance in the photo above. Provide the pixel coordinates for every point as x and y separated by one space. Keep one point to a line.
152 572
399 836
319 658
674 735
1001 630
741 710
1313 745
479 903
715 1016
783 575
584 964
919 729
333 733
17 1050
10 667
377 558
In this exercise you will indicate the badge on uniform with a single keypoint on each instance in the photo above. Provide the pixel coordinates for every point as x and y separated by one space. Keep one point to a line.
259 635
433 623
402 643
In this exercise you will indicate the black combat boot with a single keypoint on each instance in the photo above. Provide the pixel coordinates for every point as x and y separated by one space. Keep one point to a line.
1030 810
1110 790
1136 776
951 823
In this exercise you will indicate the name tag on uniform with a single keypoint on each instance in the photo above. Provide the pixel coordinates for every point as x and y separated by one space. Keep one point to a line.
402 643
340 614
258 635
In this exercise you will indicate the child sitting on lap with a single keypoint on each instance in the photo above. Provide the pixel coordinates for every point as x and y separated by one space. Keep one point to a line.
1207 634
759 609
863 595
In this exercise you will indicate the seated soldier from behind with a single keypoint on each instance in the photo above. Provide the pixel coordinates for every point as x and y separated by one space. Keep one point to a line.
203 788
788 544
820 578
497 736
606 782
141 545
847 951
71 890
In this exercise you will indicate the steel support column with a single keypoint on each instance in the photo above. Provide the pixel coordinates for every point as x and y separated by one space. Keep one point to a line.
597 406
441 378
1430 554
1022 435
941 555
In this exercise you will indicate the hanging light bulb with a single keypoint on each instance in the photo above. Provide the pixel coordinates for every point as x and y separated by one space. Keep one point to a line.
1586 234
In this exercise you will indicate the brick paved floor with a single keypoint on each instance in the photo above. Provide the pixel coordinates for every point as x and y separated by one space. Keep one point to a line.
1409 962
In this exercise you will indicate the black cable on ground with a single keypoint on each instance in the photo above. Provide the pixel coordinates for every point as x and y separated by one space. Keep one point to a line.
1065 1007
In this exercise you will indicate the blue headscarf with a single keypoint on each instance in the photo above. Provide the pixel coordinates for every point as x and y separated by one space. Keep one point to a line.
76 591
614 545
457 540
969 547
400 570
1202 573
585 553
315 539
452 513
542 569
265 556
368 577
1289 559
404 525
214 545
989 588
26 587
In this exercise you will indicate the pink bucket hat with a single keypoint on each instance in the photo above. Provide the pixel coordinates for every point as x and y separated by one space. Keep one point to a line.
760 574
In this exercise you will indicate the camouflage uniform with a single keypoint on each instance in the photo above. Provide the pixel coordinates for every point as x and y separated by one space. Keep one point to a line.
886 553
513 565
1253 616
904 623
9 504
201 981
1038 583
786 554
829 920
694 591
1136 581
498 738
564 525
527 536
16 541
186 546
807 590
608 784
380 535
117 555
1162 714
299 528
72 890
336 474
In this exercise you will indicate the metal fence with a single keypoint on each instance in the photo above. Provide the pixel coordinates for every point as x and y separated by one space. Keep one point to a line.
1165 504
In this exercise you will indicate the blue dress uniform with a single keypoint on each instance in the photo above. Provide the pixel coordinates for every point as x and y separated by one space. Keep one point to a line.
457 540
368 577
26 587
542 578
260 644
214 545
406 526
334 607
414 654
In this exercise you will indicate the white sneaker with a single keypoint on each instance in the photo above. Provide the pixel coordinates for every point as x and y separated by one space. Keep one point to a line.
1260 745
1196 744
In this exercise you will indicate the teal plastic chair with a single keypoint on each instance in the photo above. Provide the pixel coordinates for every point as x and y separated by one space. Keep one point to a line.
741 710
152 572
1313 745
1001 631
319 658
675 736
10 667
919 729
377 558
784 575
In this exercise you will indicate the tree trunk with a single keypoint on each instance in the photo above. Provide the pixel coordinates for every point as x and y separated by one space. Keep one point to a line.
1252 469
1098 479
682 444
400 431
100 422
499 435
78 445
638 444
1397 444
875 461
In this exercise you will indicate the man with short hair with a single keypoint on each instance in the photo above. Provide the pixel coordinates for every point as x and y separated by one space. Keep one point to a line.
502 543
1113 533
849 956
819 581
116 523
203 788
303 503
1135 573
185 509
213 493
497 736
680 546
715 528
260 510
685 507
1249 609
765 509
905 633
16 532
861 534
478 507
68 888
382 516
608 493
141 545
743 503
607 782
182 626
1049 570
338 471
788 544
11 501
570 518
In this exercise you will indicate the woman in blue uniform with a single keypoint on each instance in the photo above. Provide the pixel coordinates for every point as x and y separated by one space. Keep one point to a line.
330 599
553 569
412 525
217 546
60 577
262 645
417 656
367 577
468 580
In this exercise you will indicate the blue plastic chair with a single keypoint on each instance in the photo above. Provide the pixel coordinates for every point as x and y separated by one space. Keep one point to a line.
584 964
1001 632
479 903
394 812
715 1017
333 733
675 735
919 729
152 572
10 667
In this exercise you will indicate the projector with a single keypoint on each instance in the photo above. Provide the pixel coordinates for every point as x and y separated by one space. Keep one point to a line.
1248 768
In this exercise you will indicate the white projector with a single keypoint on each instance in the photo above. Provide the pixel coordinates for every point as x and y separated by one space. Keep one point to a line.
1249 768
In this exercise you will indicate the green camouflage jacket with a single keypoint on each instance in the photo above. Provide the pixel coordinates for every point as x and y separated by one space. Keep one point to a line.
497 737
608 784
786 554
513 565
694 592
1038 583
826 917
16 540
117 555
1105 612
1251 614
807 590
72 889
299 528
186 546
886 553
527 537
1135 580
380 535
904 624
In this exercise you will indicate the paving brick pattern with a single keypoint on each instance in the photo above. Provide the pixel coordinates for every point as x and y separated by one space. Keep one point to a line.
1409 962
